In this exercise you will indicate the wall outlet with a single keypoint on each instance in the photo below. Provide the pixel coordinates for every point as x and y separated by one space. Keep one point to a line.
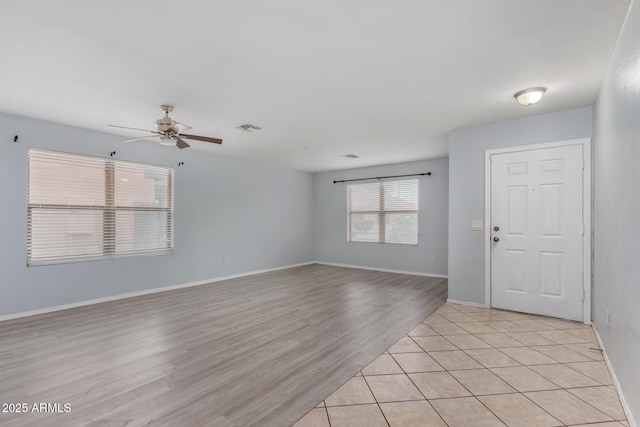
225 259
608 318
476 225
434 258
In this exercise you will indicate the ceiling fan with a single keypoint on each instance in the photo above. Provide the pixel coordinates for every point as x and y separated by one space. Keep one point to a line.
170 132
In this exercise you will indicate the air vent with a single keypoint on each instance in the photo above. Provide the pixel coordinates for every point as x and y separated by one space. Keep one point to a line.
249 127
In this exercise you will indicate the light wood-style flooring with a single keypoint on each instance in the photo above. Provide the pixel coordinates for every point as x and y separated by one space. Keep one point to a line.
256 351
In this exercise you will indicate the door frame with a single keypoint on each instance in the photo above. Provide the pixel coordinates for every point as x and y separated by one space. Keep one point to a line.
586 217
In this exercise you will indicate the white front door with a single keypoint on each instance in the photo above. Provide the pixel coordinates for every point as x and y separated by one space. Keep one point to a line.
537 231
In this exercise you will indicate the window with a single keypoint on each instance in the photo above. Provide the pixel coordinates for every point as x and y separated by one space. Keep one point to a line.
384 212
87 208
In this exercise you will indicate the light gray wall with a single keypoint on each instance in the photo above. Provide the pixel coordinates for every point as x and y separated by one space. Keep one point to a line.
330 221
466 185
258 216
617 210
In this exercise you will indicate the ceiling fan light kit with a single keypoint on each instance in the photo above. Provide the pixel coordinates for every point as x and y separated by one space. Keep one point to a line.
169 142
169 132
530 95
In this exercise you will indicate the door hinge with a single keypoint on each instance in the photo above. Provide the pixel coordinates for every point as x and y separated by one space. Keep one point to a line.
582 163
583 228
583 294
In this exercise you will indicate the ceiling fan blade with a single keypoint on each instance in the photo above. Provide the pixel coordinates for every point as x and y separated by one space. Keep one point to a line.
180 127
136 139
126 127
202 138
181 143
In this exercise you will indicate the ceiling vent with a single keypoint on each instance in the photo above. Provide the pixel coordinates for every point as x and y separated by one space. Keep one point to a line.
249 127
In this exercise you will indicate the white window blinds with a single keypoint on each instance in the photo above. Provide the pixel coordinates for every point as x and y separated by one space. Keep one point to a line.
383 212
85 208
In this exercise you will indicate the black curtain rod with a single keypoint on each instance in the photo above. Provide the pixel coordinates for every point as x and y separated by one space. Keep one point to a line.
382 177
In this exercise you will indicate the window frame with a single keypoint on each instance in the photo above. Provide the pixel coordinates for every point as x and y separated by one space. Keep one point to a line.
109 210
382 213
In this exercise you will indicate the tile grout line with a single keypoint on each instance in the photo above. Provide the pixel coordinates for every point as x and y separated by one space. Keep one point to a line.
326 412
365 404
541 408
414 384
587 375
376 399
599 410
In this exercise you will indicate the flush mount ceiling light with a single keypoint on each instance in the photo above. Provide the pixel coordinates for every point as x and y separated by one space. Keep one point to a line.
530 95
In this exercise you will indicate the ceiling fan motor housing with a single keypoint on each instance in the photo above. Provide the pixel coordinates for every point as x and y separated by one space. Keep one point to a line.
164 124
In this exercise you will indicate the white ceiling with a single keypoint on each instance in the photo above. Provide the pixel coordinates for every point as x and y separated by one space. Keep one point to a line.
386 80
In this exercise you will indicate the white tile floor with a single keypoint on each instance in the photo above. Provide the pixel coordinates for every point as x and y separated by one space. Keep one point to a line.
467 366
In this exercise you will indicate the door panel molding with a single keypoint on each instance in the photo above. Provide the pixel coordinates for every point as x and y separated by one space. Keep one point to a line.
586 214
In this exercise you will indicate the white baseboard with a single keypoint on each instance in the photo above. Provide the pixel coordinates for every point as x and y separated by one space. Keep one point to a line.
362 267
145 292
623 401
469 303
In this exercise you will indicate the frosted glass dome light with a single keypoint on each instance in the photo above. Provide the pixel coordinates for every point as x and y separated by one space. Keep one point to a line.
530 96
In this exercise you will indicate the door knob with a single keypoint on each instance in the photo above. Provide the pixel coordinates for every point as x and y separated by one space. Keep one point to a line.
496 228
496 239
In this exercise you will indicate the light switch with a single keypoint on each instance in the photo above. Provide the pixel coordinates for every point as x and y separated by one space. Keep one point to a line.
476 225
